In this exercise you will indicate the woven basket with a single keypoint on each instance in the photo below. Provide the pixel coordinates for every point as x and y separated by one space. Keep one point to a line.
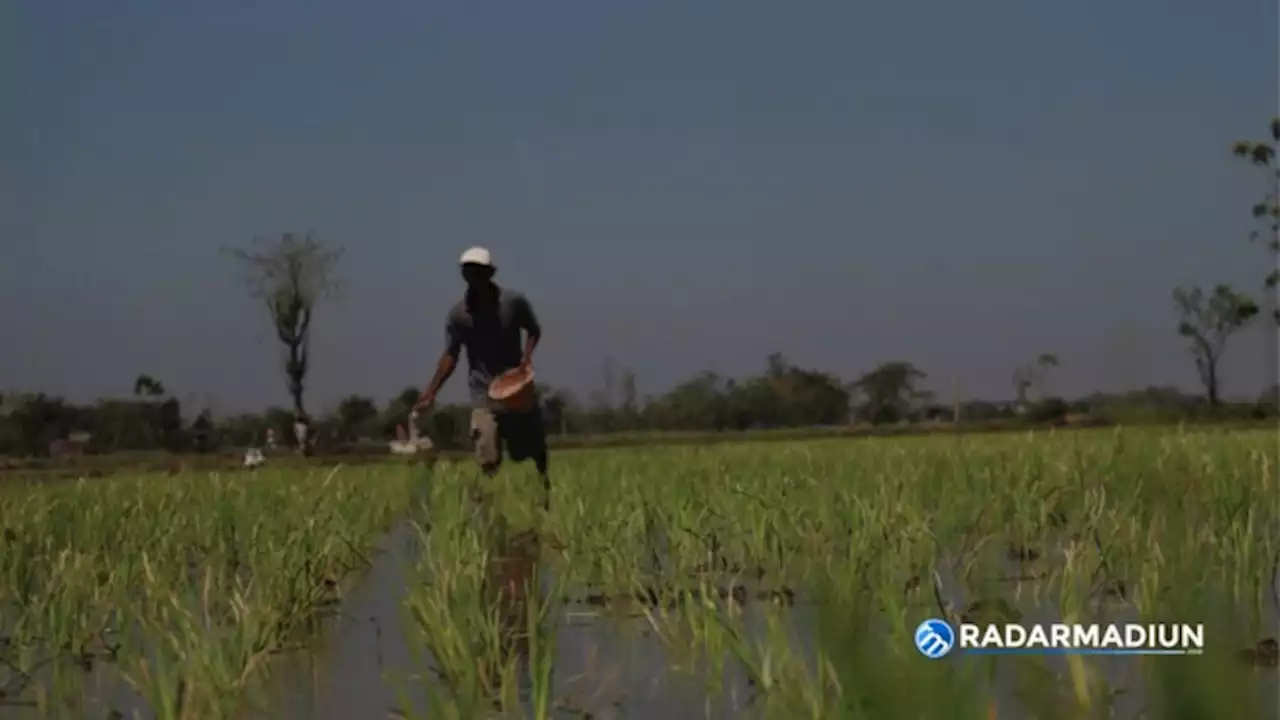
514 390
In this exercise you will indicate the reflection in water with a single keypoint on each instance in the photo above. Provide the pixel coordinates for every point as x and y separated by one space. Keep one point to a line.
511 572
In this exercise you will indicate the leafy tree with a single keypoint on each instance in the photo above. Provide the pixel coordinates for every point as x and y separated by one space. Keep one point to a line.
1208 322
449 427
280 420
290 276
145 386
1262 154
557 406
157 427
123 424
787 395
406 397
40 419
983 411
750 403
1048 409
398 409
169 424
888 391
202 431
357 416
695 404
244 430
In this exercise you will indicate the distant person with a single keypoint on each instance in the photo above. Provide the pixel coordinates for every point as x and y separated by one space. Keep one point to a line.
300 432
488 322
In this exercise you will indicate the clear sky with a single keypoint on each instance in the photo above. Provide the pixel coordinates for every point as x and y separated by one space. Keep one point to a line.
676 185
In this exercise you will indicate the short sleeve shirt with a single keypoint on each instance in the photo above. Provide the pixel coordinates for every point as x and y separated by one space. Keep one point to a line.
491 336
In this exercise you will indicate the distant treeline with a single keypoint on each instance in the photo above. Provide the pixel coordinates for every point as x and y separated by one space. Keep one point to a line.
783 396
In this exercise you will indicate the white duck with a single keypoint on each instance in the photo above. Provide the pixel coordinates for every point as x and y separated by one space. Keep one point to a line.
411 445
254 459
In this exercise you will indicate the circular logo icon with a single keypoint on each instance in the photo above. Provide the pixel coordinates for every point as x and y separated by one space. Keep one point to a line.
935 638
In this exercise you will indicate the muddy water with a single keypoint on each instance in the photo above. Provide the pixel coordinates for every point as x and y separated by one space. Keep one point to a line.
352 671
103 690
607 666
607 663
365 668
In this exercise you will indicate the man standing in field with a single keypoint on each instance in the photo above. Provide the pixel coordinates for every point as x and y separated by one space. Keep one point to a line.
488 322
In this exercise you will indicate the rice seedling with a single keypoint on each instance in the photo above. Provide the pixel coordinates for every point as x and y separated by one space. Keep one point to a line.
776 580
786 580
183 587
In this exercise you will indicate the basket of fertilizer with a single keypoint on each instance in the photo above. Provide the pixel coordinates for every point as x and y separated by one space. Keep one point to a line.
514 390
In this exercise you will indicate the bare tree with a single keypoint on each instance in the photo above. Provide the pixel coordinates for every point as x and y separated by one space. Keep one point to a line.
290 275
1035 375
1208 322
1044 363
629 406
1022 382
609 374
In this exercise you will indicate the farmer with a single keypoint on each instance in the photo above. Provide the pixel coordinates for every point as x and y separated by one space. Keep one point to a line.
487 321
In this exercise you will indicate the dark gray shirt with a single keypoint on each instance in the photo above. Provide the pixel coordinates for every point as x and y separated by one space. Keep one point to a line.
491 334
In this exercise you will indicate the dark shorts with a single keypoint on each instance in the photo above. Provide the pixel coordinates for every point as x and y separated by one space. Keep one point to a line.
523 435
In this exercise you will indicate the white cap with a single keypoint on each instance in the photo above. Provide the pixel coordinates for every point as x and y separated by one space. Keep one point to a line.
477 256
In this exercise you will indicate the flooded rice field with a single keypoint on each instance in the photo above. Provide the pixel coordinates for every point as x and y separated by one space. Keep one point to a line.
777 580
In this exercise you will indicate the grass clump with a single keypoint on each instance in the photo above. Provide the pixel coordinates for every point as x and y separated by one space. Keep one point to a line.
177 589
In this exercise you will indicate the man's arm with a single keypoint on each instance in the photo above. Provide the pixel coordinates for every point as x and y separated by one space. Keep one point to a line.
532 329
444 366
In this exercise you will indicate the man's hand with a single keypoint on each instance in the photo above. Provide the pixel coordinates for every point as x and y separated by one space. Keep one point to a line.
526 363
425 402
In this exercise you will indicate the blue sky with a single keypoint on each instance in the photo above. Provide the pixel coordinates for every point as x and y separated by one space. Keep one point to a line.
678 186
